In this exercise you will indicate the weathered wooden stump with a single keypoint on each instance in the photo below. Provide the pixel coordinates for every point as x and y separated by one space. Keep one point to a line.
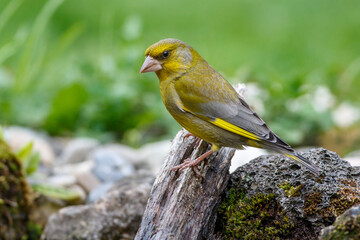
181 205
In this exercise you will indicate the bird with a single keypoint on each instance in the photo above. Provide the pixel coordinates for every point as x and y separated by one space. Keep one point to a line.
203 102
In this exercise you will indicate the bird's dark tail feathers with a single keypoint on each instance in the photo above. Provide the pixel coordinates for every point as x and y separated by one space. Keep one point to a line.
280 146
306 162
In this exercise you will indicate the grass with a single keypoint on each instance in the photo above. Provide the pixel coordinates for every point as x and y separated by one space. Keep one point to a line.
71 67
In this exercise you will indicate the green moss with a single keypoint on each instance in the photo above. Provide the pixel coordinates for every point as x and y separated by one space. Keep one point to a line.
14 166
4 185
320 179
284 185
311 202
253 217
15 196
349 230
2 166
291 191
345 198
346 228
33 230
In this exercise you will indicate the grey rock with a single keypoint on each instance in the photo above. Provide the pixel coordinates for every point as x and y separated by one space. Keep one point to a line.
346 226
110 166
88 180
62 180
78 150
99 191
37 178
126 152
18 137
80 192
43 207
59 144
309 202
117 215
74 168
140 177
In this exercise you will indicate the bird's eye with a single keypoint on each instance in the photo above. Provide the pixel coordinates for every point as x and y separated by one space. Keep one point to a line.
165 54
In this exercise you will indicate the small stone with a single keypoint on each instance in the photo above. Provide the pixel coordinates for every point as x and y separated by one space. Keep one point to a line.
110 166
346 226
74 169
59 144
117 215
37 178
80 191
88 181
77 150
18 137
62 180
140 177
99 191
126 152
43 207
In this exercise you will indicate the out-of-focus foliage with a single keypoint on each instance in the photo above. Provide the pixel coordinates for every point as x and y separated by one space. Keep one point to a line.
71 67
29 160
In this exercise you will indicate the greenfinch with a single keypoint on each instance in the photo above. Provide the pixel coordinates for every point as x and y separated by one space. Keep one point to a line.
206 105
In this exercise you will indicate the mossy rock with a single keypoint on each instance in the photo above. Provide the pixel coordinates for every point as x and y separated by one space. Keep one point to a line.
15 198
253 217
346 226
272 197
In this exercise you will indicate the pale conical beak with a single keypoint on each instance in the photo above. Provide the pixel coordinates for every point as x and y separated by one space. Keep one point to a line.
150 65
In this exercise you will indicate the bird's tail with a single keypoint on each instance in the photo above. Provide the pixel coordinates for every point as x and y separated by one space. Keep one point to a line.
306 162
280 146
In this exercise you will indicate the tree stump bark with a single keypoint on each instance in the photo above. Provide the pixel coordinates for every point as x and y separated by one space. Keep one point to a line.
181 205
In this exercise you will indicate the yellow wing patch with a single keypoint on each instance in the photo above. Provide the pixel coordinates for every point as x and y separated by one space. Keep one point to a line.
230 127
294 157
235 129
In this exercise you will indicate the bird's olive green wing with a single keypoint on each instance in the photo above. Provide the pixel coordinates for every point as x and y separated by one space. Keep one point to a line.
213 99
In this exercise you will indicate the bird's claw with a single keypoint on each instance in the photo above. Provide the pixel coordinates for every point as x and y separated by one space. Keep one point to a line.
186 164
197 172
189 135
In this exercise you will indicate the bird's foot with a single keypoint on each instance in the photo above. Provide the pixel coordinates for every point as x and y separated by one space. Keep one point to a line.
186 164
192 163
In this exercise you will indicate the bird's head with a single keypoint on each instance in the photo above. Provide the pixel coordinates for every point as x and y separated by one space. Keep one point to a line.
168 58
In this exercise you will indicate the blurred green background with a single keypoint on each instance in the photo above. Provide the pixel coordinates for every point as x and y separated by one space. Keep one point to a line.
71 68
